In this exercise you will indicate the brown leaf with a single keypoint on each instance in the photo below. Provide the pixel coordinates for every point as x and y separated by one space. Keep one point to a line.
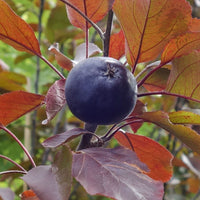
55 100
115 173
62 60
16 104
16 32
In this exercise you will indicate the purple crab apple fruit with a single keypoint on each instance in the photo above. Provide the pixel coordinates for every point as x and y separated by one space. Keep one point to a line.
101 90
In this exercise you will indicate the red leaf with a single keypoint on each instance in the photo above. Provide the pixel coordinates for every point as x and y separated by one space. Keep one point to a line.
55 100
117 45
149 25
138 110
115 173
155 156
96 10
181 45
28 195
59 139
15 104
16 32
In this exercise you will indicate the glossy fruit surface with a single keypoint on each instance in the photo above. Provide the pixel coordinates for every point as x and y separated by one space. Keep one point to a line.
100 90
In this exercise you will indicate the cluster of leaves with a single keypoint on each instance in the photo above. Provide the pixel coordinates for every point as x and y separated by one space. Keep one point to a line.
160 42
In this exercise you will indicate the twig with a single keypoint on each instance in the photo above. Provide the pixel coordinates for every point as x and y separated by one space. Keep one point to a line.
13 171
13 162
52 67
20 144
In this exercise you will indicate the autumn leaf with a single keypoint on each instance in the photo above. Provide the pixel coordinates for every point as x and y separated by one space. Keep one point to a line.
138 110
16 32
96 10
183 79
155 156
184 117
62 60
11 81
15 104
184 133
117 45
181 45
158 80
148 25
55 100
28 195
116 173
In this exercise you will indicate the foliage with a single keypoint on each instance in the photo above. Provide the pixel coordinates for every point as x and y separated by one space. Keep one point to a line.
134 159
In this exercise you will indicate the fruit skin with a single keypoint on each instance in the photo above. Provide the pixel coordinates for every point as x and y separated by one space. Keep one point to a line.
100 90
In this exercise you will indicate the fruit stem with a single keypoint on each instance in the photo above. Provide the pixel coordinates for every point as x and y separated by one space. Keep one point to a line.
86 138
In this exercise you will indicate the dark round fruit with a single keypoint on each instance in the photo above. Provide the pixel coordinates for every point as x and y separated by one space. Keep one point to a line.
100 90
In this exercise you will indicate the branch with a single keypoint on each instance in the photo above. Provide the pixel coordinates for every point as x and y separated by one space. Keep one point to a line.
106 41
166 93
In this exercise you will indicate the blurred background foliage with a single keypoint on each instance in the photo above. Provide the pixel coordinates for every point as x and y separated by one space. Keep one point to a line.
21 71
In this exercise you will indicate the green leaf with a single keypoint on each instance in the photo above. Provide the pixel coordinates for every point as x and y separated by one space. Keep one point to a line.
184 133
184 117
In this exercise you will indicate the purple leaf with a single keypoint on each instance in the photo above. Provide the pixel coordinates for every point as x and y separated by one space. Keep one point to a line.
52 182
55 100
6 194
62 168
115 173
59 139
